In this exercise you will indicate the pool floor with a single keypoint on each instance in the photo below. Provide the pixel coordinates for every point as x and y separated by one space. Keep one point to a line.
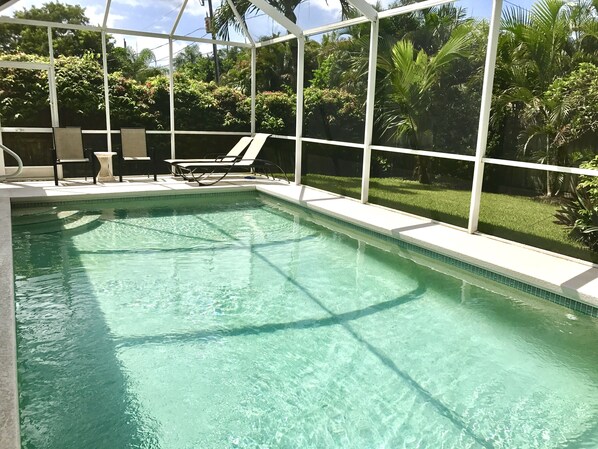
238 322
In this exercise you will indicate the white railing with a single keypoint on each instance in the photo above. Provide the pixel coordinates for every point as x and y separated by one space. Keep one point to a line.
454 156
17 158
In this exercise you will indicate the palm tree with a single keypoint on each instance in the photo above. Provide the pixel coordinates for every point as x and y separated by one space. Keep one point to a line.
540 40
584 25
545 135
144 64
225 18
138 65
190 55
537 47
411 77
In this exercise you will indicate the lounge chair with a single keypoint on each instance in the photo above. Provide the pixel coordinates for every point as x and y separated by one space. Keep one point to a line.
68 149
134 149
231 156
249 162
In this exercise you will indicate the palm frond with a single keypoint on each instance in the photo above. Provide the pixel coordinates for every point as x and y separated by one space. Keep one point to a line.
515 19
224 18
454 48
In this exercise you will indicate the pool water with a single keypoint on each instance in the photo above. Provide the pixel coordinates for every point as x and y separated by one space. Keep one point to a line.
238 322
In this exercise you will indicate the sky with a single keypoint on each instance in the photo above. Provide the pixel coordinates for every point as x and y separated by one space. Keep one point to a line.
159 16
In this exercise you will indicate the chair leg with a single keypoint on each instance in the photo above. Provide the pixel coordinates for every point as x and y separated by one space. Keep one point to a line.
55 173
155 170
93 168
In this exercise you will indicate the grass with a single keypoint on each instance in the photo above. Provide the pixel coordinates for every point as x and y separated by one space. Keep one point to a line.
517 218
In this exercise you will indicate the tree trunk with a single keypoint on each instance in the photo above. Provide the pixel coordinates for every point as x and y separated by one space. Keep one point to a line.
548 174
422 170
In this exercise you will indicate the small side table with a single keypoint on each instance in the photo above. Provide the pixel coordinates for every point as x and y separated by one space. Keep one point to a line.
105 159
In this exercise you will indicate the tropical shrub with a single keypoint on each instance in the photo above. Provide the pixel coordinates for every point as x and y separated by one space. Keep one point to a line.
580 214
234 112
333 114
195 106
80 91
275 113
24 94
579 92
130 103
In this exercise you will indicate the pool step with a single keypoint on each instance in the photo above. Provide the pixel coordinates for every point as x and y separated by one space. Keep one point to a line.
40 215
49 220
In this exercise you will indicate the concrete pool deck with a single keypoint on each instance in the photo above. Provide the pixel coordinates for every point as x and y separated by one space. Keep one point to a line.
574 279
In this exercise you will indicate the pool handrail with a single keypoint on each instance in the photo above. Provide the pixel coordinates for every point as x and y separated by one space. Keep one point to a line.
19 163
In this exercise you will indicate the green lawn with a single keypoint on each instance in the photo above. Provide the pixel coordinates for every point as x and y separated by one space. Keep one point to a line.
518 218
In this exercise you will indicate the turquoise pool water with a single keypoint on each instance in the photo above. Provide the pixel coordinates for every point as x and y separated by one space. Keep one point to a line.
237 322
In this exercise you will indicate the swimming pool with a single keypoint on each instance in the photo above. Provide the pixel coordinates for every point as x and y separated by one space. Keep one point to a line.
238 321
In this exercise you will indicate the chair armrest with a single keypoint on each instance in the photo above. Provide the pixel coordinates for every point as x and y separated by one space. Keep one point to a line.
217 157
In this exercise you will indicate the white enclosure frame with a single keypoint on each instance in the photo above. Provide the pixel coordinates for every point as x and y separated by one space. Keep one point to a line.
368 14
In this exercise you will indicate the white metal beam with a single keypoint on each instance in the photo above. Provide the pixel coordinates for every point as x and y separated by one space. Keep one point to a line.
484 123
333 143
178 17
24 65
99 29
426 153
52 82
106 13
171 97
365 8
299 108
278 17
2 162
8 4
543 167
369 112
106 92
196 39
253 87
335 26
21 129
412 8
241 21
276 40
357 21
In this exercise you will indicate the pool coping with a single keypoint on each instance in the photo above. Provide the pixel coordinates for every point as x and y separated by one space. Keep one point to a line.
561 279
574 280
9 402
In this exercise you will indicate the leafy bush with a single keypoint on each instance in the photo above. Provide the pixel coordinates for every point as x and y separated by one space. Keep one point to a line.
579 92
195 106
580 214
130 103
24 94
234 112
275 113
329 113
333 115
80 91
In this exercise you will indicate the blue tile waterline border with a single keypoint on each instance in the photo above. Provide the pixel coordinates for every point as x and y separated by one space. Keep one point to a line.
393 240
539 292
